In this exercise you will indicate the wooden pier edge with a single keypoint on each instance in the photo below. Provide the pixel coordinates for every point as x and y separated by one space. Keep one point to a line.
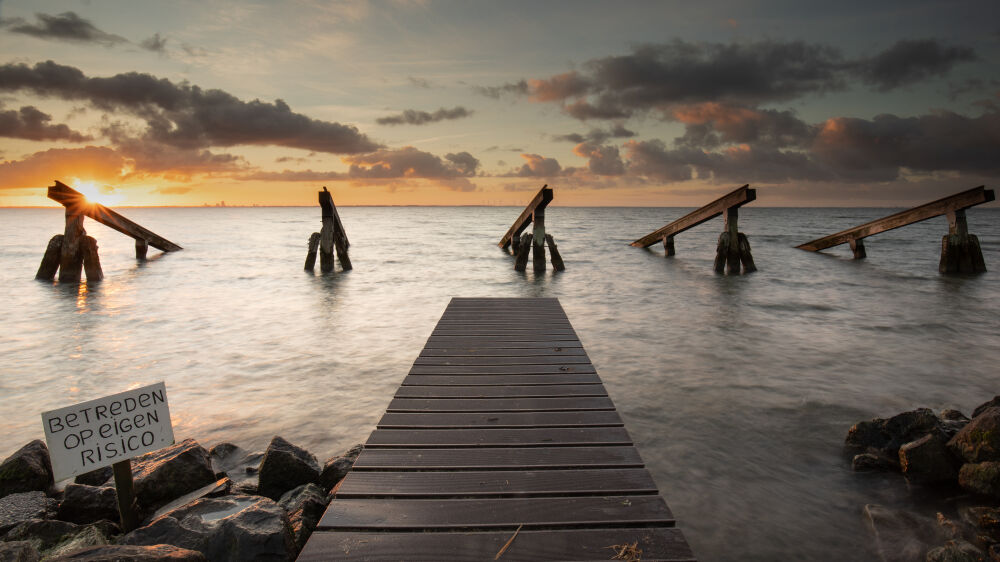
533 464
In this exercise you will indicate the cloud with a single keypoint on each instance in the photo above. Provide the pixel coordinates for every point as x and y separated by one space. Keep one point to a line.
408 162
597 136
538 167
95 163
32 124
66 26
419 82
519 88
464 162
712 124
414 117
155 44
185 116
295 175
147 158
172 190
911 61
601 160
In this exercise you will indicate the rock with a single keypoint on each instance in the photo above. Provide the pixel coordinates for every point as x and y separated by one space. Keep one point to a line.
953 415
97 477
950 529
87 536
986 520
871 462
885 437
220 487
986 406
979 441
955 551
240 466
994 553
18 508
43 533
285 467
28 469
305 506
952 421
19 551
117 553
86 504
981 478
927 460
900 536
229 528
334 471
171 472
865 436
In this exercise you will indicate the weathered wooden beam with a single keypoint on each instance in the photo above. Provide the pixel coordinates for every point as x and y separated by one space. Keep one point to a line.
538 240
71 256
521 263
91 261
739 197
539 202
311 255
943 206
77 204
557 262
332 236
141 247
50 261
330 210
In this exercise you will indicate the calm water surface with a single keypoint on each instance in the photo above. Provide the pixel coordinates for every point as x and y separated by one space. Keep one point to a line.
737 390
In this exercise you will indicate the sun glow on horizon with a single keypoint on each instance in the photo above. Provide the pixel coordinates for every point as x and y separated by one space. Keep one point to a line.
106 195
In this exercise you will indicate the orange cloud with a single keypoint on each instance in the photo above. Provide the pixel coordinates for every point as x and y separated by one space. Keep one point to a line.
714 112
94 163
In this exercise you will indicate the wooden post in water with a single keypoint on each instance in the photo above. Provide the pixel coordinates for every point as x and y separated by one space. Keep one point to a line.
733 249
50 261
538 240
311 255
557 262
91 261
533 214
71 259
141 247
521 261
331 236
960 251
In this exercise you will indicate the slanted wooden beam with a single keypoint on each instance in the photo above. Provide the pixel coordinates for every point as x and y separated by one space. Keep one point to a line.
77 205
332 235
538 203
731 200
943 206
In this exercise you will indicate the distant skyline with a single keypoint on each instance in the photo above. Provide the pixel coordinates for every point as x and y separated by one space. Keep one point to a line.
410 102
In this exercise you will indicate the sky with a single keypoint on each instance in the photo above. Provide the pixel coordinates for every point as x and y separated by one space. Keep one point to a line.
426 102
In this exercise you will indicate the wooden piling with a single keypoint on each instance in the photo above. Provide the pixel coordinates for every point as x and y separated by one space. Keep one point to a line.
668 246
521 263
539 202
734 248
50 261
538 240
71 257
126 496
91 261
332 236
858 248
557 262
745 257
311 255
960 251
141 247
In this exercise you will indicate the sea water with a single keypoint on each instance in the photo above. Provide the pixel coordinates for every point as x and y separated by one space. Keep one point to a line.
737 390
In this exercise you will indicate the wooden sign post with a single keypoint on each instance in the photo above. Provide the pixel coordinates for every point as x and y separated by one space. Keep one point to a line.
109 431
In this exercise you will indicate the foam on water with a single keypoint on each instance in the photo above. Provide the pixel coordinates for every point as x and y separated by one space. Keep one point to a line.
737 390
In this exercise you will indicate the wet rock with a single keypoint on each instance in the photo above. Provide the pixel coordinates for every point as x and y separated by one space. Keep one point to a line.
865 436
285 467
950 529
87 536
871 462
18 508
994 553
981 478
86 504
305 506
229 528
171 472
43 533
986 521
28 469
118 553
240 466
218 488
979 441
884 437
955 551
900 536
994 403
952 421
927 460
336 468
19 551
97 477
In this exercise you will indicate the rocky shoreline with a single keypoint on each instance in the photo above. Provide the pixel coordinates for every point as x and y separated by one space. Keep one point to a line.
948 453
223 503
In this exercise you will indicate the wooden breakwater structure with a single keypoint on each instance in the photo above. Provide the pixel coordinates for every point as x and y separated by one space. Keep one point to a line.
74 251
734 247
332 235
960 251
500 444
535 241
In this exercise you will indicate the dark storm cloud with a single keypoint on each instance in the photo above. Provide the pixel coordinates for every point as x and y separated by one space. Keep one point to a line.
911 61
185 116
601 160
415 117
155 44
598 136
710 125
32 124
64 27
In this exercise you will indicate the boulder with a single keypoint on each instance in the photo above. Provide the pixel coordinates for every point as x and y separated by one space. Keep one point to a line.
238 465
218 488
305 506
955 551
43 533
19 551
927 460
952 421
87 536
336 468
979 441
117 553
884 437
994 403
97 477
228 528
86 504
285 467
28 469
900 536
18 508
865 436
872 462
994 553
167 474
986 521
981 478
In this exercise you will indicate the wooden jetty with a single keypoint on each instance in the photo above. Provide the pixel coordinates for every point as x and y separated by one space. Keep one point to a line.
332 235
733 249
535 241
960 251
501 444
73 251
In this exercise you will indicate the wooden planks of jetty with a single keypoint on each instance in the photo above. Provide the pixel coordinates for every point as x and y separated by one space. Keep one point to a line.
500 444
